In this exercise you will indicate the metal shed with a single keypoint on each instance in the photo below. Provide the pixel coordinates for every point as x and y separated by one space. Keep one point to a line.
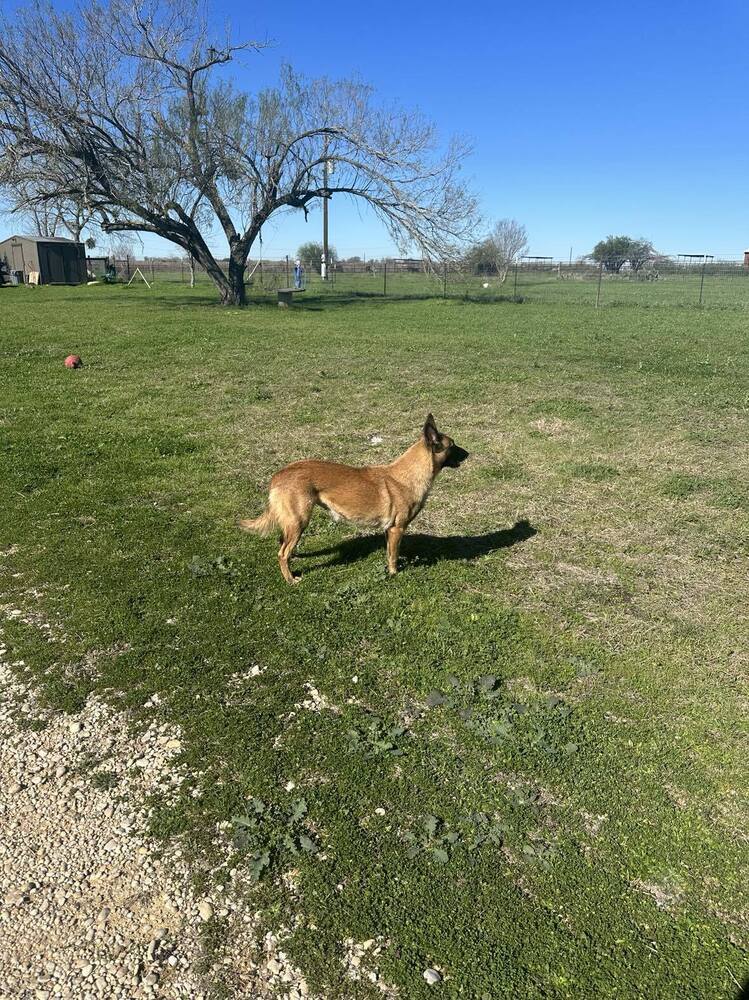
59 261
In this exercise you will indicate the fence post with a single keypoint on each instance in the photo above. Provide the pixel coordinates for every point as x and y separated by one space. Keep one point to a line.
444 279
600 276
287 270
152 276
702 278
385 277
515 289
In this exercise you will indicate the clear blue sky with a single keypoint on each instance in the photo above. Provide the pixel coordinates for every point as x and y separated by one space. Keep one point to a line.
585 118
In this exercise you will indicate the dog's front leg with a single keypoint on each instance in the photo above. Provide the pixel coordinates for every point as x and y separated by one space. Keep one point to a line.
394 536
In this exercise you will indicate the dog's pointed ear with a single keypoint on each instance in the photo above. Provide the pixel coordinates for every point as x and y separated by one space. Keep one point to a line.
431 434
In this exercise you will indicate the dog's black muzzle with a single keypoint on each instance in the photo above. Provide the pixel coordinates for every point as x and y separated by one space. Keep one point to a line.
455 456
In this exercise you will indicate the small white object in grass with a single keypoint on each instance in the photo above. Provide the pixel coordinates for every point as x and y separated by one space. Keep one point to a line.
432 976
376 439
355 678
379 811
290 786
485 285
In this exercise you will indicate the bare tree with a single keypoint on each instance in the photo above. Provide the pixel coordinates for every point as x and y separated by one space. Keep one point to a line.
46 213
508 240
123 106
41 218
121 246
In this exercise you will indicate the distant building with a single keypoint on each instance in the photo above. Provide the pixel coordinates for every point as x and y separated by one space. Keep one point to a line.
746 258
405 264
57 261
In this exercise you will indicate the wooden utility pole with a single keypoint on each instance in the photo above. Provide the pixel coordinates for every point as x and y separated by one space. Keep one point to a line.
325 261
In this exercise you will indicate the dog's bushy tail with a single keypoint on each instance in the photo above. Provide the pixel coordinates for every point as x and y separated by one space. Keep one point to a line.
262 525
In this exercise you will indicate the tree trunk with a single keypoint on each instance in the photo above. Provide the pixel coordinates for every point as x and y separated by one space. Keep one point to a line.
230 284
233 293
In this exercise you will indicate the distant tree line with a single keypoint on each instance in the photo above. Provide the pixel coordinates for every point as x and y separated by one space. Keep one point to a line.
507 242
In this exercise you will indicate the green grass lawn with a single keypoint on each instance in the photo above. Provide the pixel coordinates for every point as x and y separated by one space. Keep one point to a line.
524 758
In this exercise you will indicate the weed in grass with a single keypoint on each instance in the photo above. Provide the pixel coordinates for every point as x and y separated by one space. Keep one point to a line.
268 833
539 852
504 471
373 738
566 408
485 830
593 472
585 668
680 485
488 708
434 838
732 494
219 566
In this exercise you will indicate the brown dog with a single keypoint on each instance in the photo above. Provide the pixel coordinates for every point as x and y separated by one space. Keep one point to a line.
383 496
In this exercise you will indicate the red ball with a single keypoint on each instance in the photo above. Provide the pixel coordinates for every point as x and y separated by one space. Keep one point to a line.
73 361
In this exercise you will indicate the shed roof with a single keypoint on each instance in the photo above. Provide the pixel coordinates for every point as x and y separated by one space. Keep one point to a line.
40 239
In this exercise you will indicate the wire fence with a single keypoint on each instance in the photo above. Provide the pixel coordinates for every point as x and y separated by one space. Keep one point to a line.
665 282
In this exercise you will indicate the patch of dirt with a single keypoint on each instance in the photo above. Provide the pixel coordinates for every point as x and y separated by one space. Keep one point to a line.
87 910
552 426
360 963
86 907
592 822
666 897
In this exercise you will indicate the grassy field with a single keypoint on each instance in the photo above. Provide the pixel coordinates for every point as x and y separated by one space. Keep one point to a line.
524 758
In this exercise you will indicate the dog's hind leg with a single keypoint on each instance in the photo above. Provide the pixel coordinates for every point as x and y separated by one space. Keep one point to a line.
291 536
295 519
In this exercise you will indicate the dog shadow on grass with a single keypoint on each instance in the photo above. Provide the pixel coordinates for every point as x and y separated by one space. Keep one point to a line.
426 549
